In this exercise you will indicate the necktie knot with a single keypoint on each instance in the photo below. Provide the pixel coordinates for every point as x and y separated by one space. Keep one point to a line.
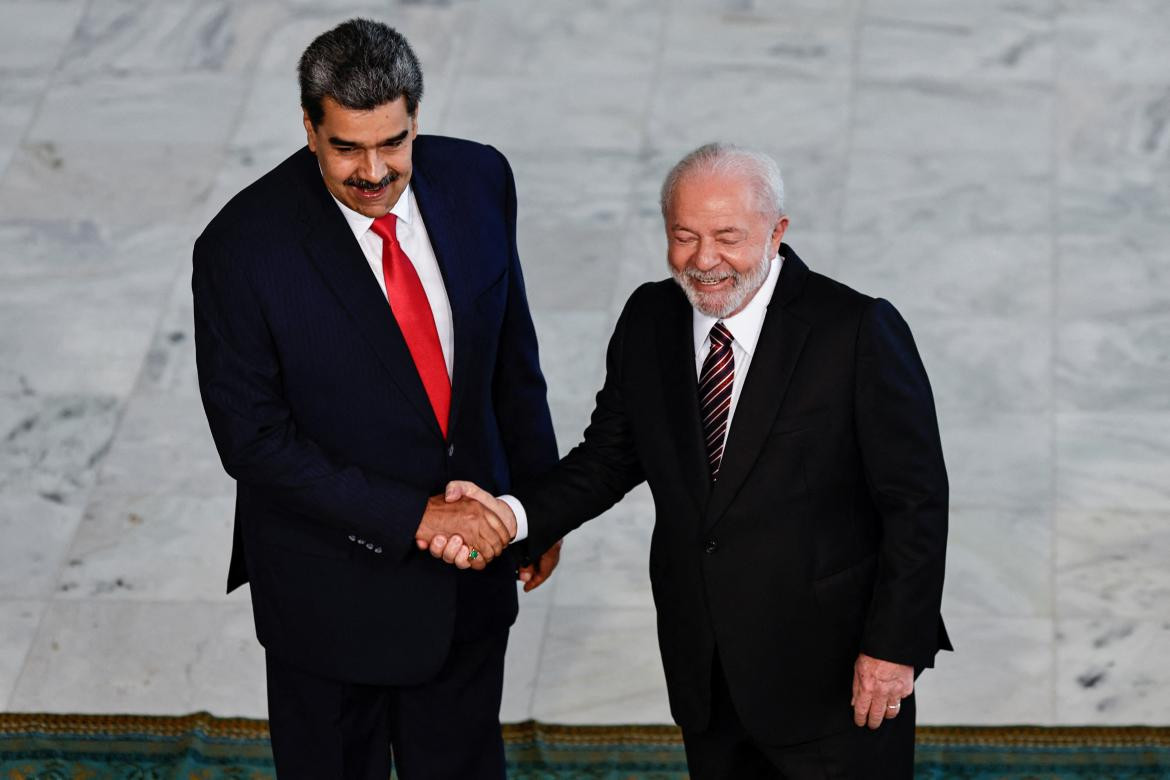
386 227
720 335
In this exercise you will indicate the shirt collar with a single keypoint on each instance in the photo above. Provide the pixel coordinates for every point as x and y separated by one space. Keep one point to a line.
745 326
359 223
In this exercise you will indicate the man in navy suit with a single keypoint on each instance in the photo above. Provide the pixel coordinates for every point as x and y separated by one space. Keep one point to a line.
363 337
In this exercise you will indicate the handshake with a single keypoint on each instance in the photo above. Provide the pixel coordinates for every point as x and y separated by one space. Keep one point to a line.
469 527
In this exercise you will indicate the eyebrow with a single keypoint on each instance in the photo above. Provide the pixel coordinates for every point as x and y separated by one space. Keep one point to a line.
335 141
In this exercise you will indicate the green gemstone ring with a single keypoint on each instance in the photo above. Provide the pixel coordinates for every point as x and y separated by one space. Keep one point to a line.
471 556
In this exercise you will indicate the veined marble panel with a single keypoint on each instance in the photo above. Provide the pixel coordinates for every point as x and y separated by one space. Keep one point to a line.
945 12
783 47
20 94
20 620
139 36
36 533
1000 673
164 447
151 547
1112 564
977 275
999 563
568 264
605 563
590 188
910 193
986 363
748 107
1109 671
51 446
556 37
823 11
1111 124
1117 201
572 356
1113 461
1114 366
178 109
929 115
570 112
164 183
1099 41
601 665
36 32
80 334
1114 277
898 48
144 658
998 460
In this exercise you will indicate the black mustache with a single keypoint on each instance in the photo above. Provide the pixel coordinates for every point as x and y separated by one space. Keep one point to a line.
369 186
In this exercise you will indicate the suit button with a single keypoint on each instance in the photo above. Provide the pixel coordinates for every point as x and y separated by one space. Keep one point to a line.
361 541
352 538
369 546
711 546
378 550
450 450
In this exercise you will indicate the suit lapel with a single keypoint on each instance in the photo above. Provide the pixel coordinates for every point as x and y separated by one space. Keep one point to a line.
442 228
777 351
331 246
676 355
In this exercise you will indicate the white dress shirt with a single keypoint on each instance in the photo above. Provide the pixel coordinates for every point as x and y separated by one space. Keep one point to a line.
745 330
412 235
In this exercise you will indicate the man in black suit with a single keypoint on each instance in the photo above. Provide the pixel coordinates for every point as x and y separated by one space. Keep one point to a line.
363 337
786 427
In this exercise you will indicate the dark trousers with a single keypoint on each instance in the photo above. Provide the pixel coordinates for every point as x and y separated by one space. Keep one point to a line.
725 751
448 727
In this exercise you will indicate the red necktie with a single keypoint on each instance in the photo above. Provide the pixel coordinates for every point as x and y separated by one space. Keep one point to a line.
411 308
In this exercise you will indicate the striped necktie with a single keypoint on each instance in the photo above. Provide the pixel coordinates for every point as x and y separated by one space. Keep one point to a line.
715 383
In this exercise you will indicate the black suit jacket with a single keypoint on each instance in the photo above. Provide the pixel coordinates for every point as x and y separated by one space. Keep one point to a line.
825 533
319 414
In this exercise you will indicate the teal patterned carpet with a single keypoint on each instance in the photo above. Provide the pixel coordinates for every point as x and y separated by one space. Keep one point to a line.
203 747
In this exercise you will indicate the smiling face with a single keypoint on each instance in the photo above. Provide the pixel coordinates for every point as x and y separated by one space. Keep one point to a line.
720 241
365 156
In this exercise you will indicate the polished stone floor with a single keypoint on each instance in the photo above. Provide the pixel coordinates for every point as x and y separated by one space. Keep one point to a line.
1000 170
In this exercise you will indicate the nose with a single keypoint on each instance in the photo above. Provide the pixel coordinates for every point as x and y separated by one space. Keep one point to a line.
706 256
372 168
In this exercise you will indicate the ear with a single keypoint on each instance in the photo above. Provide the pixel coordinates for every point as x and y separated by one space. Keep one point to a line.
310 132
778 234
414 123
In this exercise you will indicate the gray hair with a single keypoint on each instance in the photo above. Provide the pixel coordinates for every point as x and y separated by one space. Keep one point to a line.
723 159
361 64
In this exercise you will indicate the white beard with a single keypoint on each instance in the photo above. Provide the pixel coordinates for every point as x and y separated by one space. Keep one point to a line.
724 303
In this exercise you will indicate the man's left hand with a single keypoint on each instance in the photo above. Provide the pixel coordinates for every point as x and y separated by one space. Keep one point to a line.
878 689
534 575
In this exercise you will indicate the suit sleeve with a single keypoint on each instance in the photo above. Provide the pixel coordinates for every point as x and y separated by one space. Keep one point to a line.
598 472
897 429
252 425
519 392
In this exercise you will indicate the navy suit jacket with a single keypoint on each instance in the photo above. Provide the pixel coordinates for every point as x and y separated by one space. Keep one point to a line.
319 414
825 534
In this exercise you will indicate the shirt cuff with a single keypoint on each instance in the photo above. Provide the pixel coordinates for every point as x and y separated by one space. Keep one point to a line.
521 517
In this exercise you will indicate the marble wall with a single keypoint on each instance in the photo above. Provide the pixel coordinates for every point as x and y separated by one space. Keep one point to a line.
1000 170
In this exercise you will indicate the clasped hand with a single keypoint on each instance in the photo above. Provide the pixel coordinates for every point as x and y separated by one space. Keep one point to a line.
466 519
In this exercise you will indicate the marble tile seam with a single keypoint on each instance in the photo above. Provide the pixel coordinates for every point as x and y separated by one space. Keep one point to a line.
27 654
49 83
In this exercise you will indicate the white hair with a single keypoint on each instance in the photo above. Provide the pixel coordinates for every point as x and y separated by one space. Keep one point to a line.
728 159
